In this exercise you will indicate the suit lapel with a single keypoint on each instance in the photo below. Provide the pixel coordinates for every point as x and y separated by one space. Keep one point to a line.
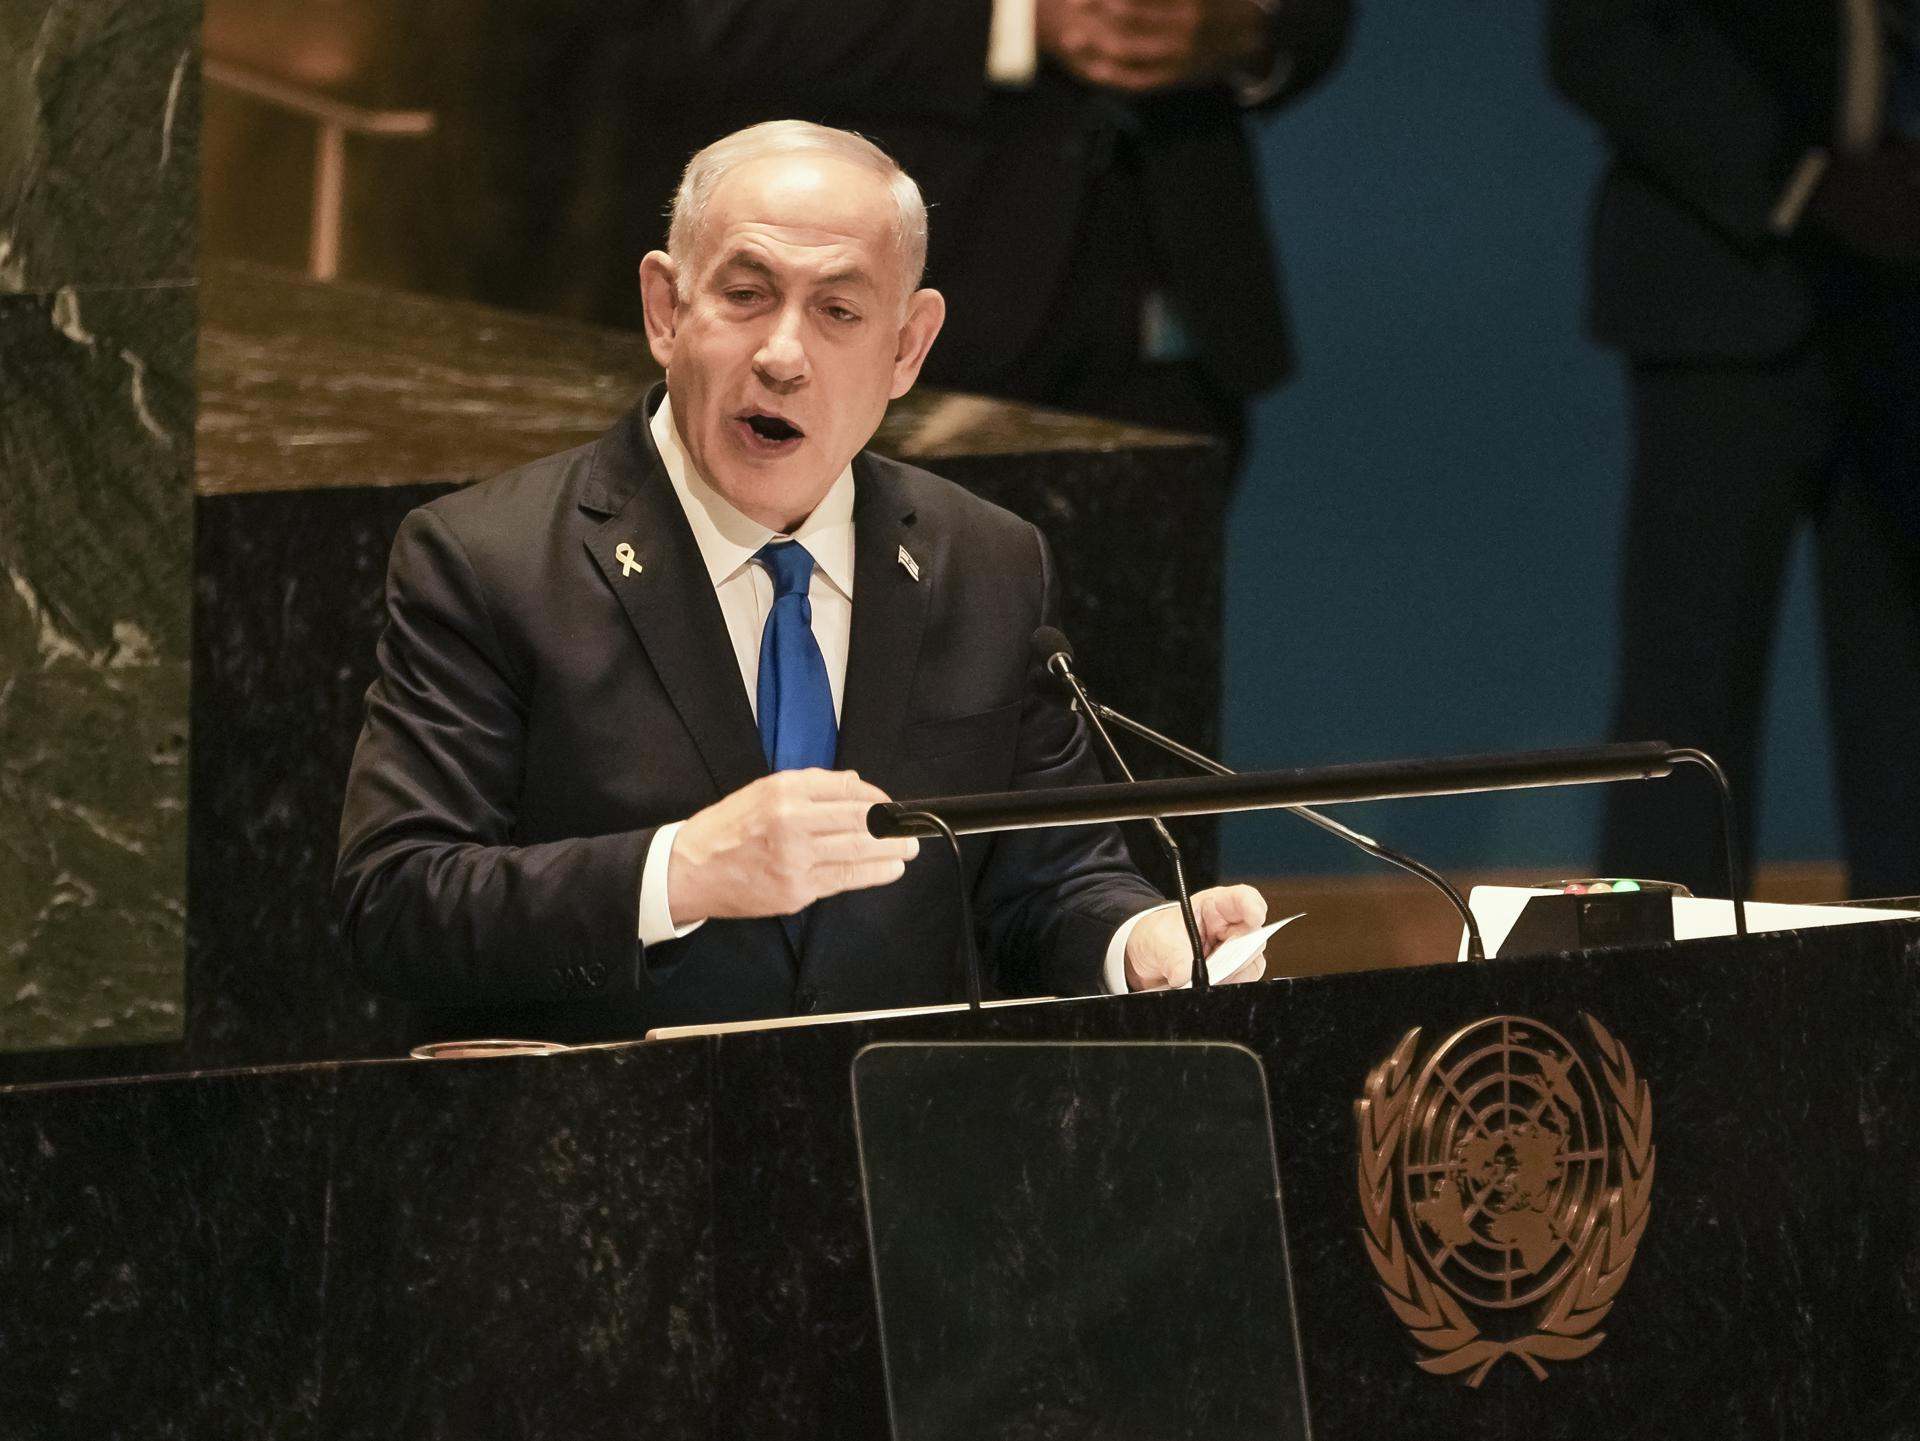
883 649
648 554
889 619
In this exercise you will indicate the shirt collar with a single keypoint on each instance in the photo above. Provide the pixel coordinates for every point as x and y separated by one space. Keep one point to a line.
729 540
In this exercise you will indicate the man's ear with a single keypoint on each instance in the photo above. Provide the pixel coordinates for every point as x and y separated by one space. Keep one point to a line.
926 313
658 300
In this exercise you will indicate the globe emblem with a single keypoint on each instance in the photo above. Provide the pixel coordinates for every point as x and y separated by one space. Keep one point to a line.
1504 1161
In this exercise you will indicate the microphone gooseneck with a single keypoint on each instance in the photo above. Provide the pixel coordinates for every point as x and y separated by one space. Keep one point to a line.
1051 648
1729 829
1059 660
969 954
1476 950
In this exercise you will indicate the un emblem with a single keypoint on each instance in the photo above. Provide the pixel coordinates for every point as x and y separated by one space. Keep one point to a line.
1505 1188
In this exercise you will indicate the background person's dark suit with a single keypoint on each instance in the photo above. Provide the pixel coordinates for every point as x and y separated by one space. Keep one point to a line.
539 712
1773 381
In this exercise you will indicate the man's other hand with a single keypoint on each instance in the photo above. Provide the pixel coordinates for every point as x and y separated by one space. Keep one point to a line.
1159 956
778 845
1142 45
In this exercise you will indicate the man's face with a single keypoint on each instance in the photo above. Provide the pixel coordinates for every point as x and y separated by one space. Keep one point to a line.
793 334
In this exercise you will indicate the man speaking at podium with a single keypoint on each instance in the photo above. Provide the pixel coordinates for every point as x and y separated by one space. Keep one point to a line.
634 700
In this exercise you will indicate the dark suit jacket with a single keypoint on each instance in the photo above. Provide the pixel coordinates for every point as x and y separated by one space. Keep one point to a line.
538 713
1709 106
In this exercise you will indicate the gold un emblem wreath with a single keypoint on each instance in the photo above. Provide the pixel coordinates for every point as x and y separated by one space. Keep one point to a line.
1504 1191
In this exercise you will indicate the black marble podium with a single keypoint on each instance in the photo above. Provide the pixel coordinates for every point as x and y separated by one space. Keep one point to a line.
667 1239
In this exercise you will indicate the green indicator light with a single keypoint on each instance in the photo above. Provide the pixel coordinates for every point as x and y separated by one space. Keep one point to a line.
1626 886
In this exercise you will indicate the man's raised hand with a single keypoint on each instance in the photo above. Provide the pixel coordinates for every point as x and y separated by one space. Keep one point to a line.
779 844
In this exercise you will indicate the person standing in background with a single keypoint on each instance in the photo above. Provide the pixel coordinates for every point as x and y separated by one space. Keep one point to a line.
1756 257
1101 233
1101 227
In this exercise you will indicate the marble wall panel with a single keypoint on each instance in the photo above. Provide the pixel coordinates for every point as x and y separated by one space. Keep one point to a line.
99 142
96 415
99 128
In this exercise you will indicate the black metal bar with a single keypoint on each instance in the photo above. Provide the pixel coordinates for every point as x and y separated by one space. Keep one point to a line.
1729 831
1263 790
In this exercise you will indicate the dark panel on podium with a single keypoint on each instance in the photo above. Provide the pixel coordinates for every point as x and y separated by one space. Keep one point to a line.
1040 1215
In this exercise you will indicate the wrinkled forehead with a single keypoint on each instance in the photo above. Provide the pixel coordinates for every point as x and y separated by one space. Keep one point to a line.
806 214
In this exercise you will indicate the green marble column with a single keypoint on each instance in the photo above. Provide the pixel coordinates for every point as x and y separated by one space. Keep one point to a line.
99 173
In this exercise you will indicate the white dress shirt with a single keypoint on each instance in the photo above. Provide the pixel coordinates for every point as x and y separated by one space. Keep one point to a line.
728 542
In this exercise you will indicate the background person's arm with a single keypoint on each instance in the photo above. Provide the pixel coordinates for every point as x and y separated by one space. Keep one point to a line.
1681 102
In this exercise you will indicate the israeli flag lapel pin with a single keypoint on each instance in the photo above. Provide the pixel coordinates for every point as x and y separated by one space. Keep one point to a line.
909 564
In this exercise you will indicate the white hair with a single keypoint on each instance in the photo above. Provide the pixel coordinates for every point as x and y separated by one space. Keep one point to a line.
793 137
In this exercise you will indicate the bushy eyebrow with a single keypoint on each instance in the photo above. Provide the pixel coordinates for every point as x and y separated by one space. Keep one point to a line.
747 260
743 260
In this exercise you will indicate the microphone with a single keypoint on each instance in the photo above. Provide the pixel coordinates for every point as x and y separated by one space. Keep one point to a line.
1058 658
1050 649
967 954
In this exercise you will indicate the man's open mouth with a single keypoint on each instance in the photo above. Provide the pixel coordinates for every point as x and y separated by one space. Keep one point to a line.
772 428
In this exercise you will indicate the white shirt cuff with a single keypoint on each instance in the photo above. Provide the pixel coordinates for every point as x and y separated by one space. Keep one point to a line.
656 915
1113 975
1013 44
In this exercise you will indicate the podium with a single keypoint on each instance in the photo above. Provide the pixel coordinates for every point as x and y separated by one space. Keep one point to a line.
1663 1191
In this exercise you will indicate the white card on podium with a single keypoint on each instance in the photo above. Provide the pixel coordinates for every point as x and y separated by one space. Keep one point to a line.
1496 908
1230 956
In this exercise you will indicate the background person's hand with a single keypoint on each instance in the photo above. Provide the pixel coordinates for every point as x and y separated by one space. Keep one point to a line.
1143 45
1158 955
779 844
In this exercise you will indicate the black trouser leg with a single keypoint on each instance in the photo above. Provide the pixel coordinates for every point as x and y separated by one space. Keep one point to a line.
1725 459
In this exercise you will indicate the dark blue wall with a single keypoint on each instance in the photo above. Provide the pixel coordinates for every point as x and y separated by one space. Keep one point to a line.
1424 549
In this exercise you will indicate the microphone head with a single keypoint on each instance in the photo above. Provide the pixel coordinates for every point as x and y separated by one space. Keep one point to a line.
889 821
1049 645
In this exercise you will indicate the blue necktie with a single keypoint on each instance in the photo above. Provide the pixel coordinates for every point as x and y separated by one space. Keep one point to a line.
797 727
